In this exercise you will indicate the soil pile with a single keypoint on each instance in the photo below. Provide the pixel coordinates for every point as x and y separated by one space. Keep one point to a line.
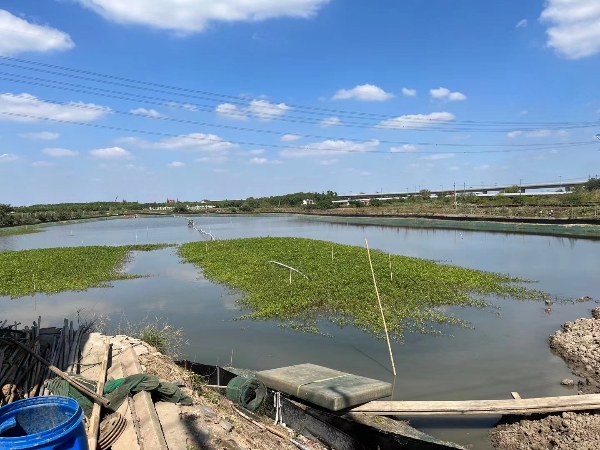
578 343
565 431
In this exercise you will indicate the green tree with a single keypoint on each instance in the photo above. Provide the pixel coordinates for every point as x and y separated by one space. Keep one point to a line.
425 194
514 189
180 208
593 184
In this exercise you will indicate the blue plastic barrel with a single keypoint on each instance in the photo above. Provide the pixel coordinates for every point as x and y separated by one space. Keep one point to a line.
43 423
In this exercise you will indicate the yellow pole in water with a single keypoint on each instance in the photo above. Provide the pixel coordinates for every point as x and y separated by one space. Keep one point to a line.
381 309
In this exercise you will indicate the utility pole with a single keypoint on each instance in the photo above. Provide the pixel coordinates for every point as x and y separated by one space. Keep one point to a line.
520 186
455 203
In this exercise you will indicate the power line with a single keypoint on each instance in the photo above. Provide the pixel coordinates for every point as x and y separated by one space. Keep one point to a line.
73 87
254 144
239 99
336 138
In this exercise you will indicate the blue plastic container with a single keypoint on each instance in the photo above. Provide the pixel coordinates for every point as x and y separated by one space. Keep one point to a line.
43 423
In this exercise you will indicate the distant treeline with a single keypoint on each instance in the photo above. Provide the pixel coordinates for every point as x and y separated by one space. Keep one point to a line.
586 194
35 214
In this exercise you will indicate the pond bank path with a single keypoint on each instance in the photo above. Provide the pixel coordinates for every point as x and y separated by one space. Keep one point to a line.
210 423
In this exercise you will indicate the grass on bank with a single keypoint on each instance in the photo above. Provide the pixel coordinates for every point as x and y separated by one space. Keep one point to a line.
339 288
19 231
53 270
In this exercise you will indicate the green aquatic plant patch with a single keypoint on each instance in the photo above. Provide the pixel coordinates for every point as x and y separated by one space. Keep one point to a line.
338 286
19 231
53 270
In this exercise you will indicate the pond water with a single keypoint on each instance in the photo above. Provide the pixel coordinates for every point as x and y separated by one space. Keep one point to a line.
500 355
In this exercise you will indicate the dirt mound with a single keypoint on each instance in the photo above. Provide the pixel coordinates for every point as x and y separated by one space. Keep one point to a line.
578 343
565 431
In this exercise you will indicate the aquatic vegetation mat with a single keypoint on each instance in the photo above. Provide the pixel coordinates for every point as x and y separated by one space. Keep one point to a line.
19 231
53 270
335 284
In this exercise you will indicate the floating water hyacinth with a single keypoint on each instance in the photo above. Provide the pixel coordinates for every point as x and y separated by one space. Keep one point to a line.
340 290
63 269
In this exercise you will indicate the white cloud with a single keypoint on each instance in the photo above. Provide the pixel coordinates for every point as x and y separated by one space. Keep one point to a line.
176 165
146 112
461 137
514 134
112 152
290 137
415 165
330 122
522 23
439 156
59 152
8 157
212 159
29 105
365 92
193 142
258 161
265 110
524 112
454 168
276 161
187 106
136 168
260 109
406 148
192 16
330 147
329 162
41 164
256 152
409 92
42 136
360 172
18 36
220 170
539 133
230 111
445 94
482 167
574 27
554 151
417 120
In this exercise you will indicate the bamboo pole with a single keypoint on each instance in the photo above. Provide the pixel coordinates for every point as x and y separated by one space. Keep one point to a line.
381 309
54 358
95 419
103 401
72 351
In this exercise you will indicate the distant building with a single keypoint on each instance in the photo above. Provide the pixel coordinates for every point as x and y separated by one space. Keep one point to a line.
308 201
170 201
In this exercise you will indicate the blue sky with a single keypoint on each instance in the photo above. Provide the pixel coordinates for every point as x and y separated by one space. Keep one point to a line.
340 95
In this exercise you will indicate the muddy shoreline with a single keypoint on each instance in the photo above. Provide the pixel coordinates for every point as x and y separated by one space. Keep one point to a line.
578 343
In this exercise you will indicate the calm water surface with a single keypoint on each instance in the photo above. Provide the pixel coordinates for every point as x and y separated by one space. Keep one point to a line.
499 356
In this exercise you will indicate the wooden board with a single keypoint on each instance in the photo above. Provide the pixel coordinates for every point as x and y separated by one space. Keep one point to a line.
325 387
489 407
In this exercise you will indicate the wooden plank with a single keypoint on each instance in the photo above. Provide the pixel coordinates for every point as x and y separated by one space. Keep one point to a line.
94 427
474 407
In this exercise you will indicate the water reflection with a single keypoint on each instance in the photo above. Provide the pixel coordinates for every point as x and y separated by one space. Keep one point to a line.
499 356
